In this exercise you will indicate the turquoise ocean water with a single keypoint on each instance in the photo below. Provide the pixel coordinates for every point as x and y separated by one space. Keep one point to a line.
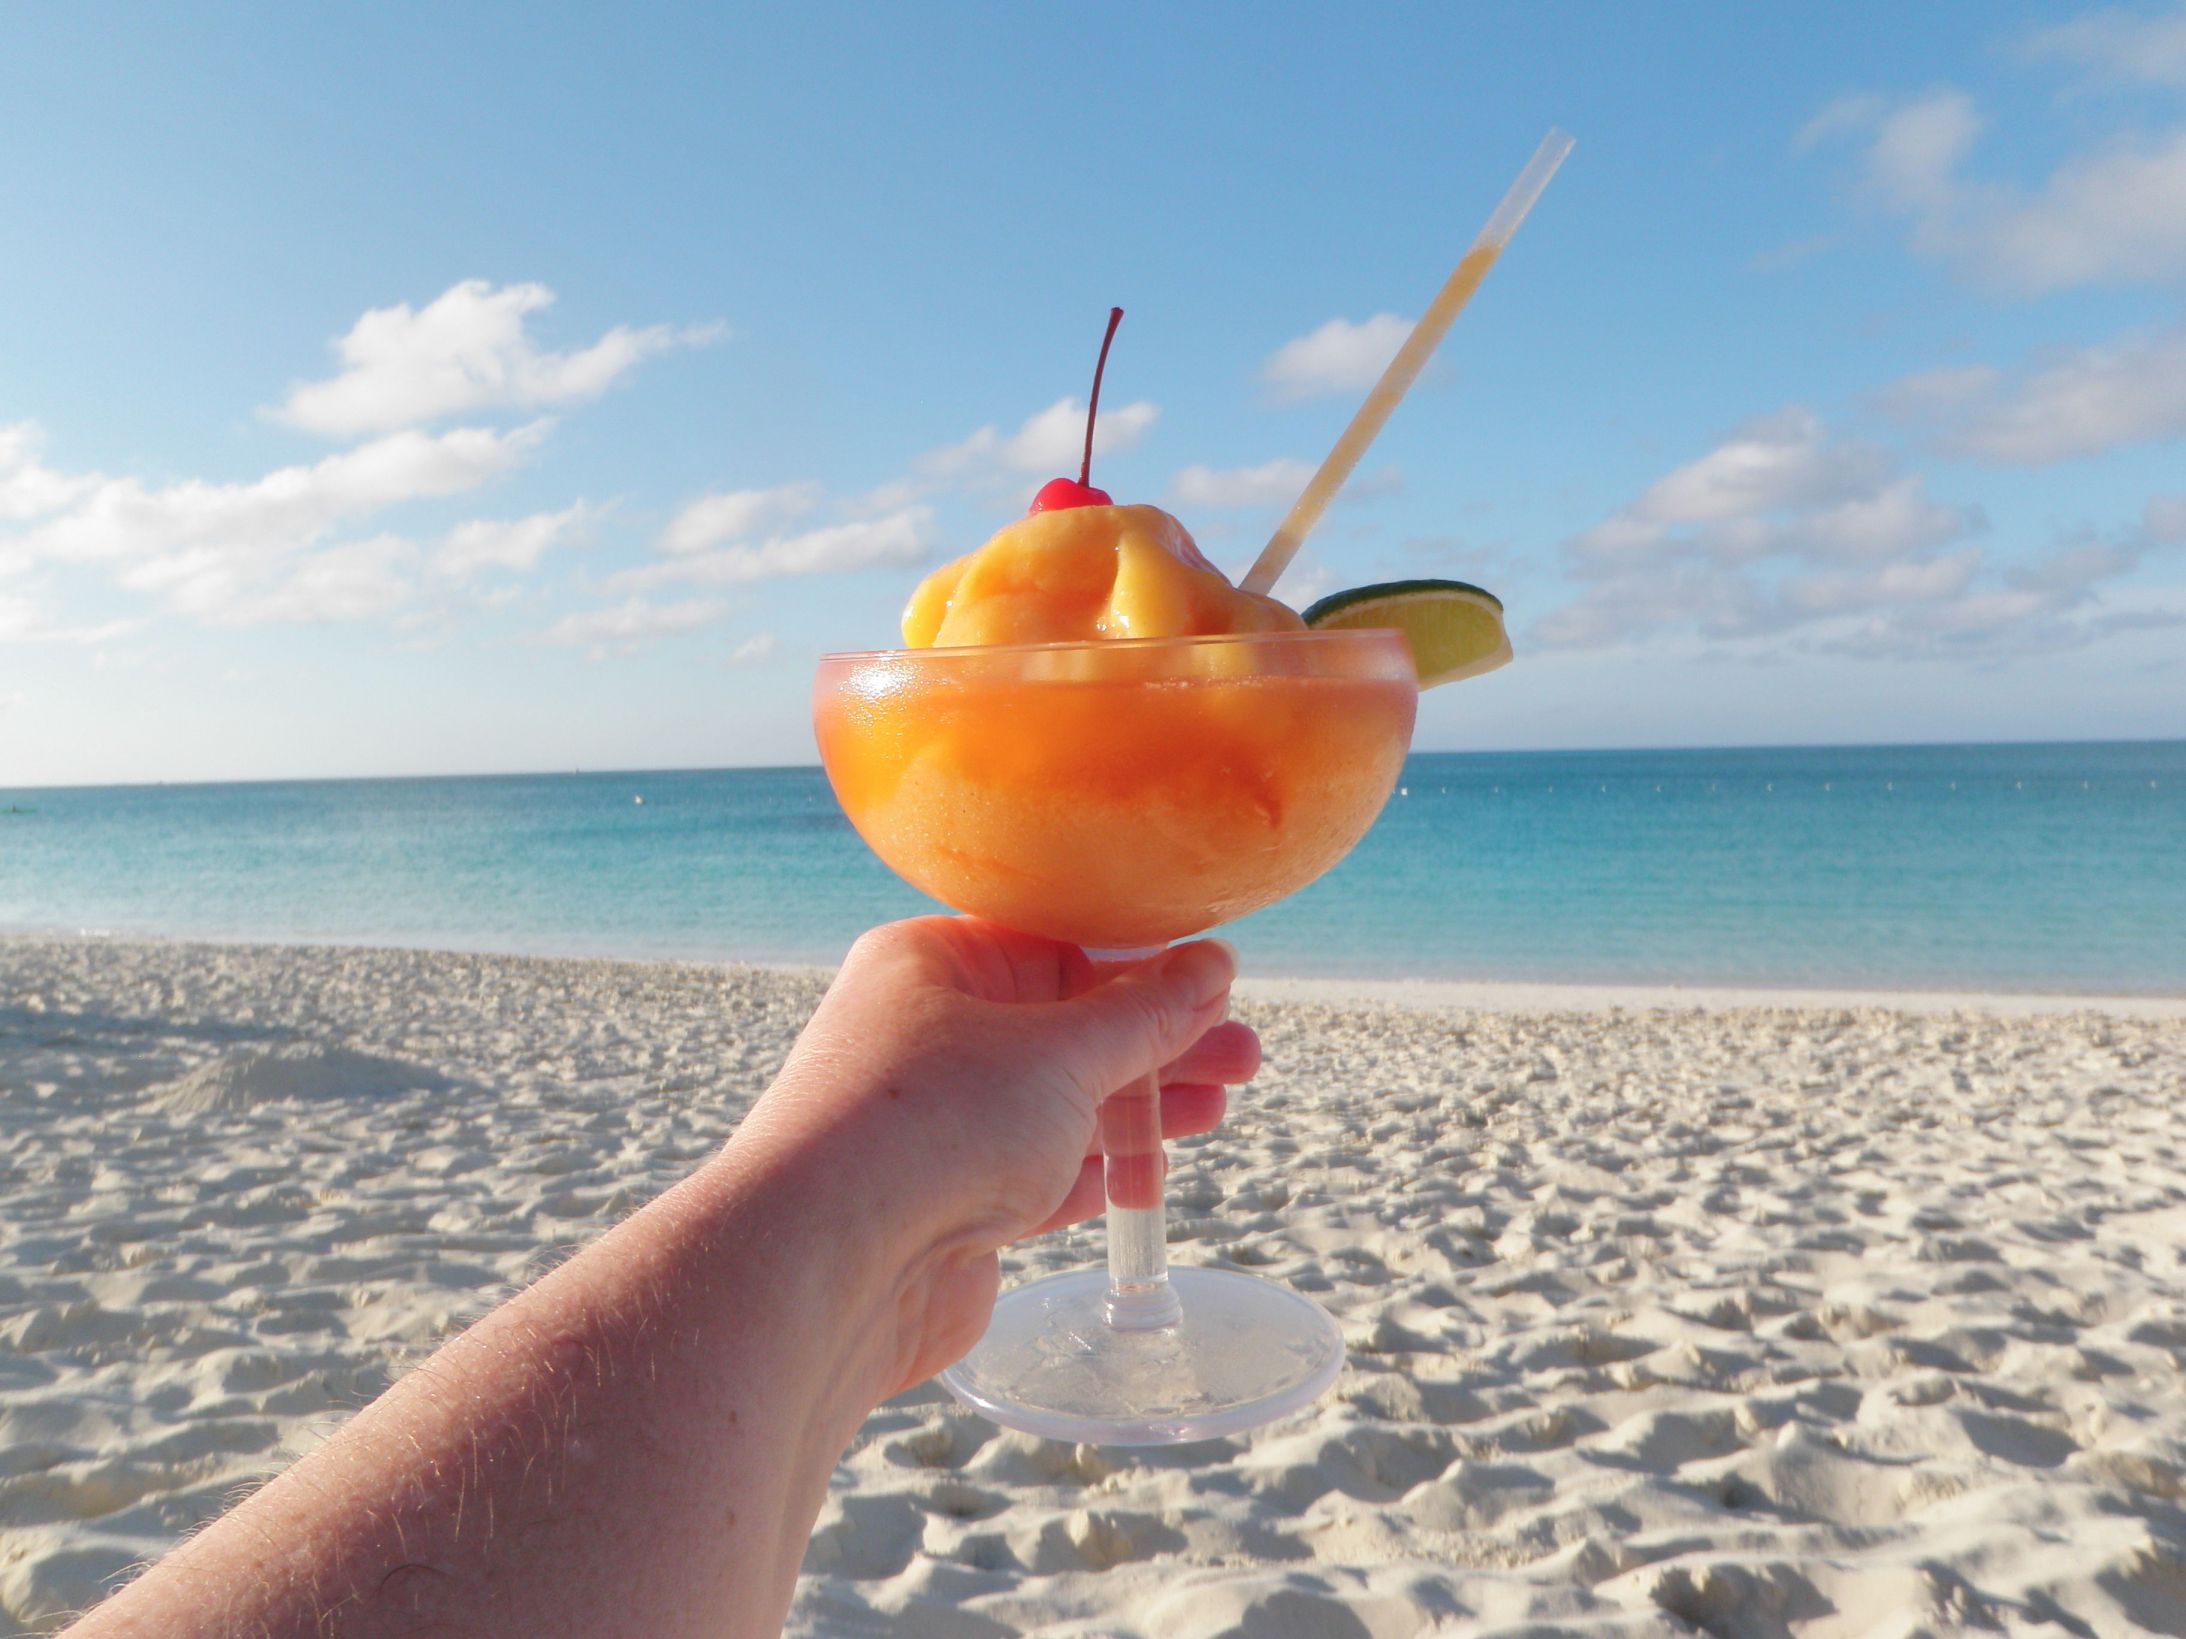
2037 867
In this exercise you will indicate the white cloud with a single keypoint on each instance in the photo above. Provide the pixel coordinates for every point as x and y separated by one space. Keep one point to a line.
1786 535
978 453
1928 395
357 580
122 518
627 625
2121 392
2083 564
892 496
1847 115
1273 483
513 544
1642 607
755 650
2119 45
1897 518
1055 438
466 350
1885 586
1784 461
28 488
1793 252
1778 487
1339 357
2056 602
897 539
1781 526
294 544
250 551
25 621
729 515
1049 442
2112 216
22 621
1918 147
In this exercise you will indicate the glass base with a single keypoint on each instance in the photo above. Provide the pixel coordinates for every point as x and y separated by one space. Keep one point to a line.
1246 1352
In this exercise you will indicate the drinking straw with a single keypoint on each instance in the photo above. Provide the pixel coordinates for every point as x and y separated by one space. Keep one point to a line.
1395 381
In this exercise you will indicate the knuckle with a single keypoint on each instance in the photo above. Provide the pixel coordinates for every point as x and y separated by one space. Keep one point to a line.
872 944
1154 1008
886 942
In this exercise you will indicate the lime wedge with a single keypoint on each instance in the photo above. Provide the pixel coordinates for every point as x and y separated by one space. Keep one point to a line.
1455 630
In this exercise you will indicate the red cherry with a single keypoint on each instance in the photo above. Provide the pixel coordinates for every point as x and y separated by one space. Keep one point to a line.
1058 494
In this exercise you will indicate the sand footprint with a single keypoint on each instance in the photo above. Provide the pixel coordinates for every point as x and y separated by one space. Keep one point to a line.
1472 1495
950 1442
1363 1461
952 1499
1285 1605
868 1539
1722 1597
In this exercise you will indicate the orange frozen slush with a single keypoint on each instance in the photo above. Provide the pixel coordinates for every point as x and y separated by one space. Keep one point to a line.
1113 794
1106 809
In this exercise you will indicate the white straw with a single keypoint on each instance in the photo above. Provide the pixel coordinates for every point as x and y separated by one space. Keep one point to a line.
1395 381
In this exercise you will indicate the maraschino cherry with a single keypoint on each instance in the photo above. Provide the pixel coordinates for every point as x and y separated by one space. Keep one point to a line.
1059 493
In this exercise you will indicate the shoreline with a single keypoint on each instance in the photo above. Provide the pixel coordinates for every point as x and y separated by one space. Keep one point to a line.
1554 996
1410 994
1464 751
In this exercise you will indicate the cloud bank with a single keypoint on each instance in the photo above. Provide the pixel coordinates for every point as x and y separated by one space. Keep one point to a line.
308 542
2131 390
1788 530
1339 357
465 351
2113 215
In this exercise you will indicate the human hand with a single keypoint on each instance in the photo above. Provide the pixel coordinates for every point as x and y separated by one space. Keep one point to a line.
952 1080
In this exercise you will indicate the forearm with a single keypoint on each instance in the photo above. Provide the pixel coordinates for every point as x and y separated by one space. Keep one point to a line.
638 1444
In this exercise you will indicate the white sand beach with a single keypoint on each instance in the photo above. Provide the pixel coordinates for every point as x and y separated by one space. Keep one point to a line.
1742 1315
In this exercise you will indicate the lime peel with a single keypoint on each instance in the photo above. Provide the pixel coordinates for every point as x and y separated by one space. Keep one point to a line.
1455 629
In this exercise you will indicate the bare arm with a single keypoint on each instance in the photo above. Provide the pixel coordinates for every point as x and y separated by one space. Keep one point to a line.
638 1444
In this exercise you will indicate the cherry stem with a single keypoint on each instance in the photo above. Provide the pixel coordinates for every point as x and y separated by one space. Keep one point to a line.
1093 405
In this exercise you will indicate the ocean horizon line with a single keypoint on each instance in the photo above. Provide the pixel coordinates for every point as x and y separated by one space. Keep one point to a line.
1744 747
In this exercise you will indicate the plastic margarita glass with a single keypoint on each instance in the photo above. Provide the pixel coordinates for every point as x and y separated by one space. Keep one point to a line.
1118 788
1120 795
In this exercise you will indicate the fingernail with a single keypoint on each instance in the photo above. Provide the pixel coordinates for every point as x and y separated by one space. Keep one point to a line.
1205 967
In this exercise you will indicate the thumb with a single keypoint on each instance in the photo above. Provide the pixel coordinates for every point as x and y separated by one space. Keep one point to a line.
1141 1018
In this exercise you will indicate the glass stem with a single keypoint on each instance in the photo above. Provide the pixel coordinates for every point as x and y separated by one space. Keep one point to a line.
1140 1297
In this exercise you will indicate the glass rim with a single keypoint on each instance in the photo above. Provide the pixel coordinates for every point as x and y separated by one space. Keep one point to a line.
1111 645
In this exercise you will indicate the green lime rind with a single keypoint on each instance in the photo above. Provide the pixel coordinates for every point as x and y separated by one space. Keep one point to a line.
1336 602
1454 629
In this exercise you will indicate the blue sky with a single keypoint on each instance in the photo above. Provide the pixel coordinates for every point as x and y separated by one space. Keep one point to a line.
408 389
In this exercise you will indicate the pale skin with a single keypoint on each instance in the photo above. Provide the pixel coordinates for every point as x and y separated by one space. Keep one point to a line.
639 1443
